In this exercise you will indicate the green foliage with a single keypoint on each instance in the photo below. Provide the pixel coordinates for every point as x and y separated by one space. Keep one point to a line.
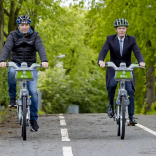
153 106
36 10
80 34
140 15
4 97
80 81
2 112
52 84
60 90
41 112
153 109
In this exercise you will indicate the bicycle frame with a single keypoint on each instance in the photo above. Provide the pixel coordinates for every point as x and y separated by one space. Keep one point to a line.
122 92
23 92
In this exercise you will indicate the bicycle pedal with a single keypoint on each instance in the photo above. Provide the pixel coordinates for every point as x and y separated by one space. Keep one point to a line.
13 107
131 124
32 130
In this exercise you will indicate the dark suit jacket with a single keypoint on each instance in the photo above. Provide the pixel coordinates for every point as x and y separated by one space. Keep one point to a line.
112 44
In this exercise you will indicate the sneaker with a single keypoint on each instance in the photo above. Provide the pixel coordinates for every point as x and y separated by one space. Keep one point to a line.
12 103
132 121
110 111
34 125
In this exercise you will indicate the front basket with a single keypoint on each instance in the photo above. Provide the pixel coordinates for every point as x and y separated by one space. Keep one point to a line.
123 75
24 75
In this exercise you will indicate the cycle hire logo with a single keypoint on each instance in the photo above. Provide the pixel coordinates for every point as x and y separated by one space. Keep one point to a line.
123 76
24 76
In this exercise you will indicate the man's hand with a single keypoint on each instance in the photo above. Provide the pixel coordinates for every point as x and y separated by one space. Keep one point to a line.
142 64
3 64
45 64
102 64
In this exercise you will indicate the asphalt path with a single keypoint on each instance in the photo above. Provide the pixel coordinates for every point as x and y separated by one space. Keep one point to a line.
79 135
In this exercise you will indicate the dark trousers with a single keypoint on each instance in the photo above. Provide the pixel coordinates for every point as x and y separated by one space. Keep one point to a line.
130 91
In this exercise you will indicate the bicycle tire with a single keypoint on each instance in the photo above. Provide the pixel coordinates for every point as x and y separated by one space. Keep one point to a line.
24 113
122 118
118 121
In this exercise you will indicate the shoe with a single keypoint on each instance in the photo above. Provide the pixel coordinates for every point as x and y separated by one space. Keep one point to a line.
34 125
132 121
110 111
12 103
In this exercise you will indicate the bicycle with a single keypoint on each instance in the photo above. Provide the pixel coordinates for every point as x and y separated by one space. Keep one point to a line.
24 74
122 74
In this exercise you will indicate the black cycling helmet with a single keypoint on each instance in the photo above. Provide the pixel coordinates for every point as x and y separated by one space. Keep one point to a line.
121 22
23 19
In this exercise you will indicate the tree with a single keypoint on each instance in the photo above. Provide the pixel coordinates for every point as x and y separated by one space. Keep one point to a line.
140 15
79 80
11 11
1 26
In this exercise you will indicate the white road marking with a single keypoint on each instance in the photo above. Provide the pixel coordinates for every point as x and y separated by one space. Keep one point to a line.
61 117
62 122
64 133
67 151
146 129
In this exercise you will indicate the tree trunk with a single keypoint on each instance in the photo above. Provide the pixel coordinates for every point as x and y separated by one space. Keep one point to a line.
150 86
1 26
11 17
13 14
34 15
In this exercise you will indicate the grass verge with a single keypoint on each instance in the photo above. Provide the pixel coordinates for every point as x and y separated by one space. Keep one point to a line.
41 112
2 112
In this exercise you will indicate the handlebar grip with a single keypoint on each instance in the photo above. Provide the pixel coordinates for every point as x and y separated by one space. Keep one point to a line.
139 65
7 65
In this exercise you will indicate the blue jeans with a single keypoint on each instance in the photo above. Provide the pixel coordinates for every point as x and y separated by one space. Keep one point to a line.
32 88
129 87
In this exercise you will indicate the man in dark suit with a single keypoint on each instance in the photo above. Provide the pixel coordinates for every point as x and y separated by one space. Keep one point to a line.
121 46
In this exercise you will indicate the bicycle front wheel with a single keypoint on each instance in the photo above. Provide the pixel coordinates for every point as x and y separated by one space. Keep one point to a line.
122 118
24 120
118 121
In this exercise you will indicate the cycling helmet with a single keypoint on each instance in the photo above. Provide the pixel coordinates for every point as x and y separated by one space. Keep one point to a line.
23 19
121 22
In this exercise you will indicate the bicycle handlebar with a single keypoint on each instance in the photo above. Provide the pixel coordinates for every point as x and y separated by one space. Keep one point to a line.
23 66
122 66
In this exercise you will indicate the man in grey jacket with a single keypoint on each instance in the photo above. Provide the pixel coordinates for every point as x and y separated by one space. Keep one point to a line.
23 44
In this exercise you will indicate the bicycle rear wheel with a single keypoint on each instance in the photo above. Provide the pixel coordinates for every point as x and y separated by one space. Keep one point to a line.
122 118
24 113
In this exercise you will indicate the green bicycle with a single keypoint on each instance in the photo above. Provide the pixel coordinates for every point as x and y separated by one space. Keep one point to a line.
122 74
24 74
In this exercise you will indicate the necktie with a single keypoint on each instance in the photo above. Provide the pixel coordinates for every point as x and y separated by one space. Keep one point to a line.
121 47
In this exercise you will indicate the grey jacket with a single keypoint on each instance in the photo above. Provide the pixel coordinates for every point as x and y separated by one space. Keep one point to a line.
23 48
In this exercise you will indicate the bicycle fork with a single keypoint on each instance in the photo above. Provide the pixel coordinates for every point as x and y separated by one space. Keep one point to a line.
122 92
